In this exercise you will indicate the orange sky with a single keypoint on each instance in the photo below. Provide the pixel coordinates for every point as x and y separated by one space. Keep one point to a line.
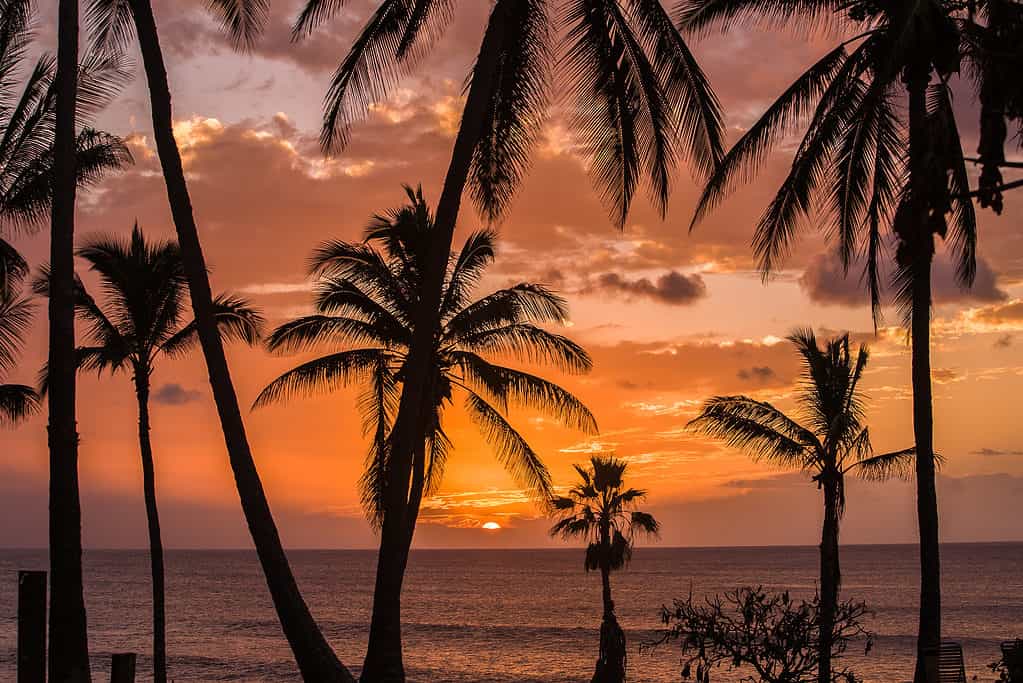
264 196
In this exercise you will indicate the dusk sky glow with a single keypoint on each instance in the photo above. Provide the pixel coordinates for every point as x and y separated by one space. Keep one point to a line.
669 317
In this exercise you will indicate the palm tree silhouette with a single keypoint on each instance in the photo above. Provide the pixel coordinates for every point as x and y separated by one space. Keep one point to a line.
600 510
830 443
44 157
141 320
642 104
114 23
17 401
366 301
871 163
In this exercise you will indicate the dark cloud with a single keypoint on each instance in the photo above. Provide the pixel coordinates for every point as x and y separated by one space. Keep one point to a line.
672 288
757 373
825 281
1003 342
175 395
994 452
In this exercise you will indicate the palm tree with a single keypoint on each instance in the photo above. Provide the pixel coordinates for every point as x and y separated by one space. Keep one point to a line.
366 301
830 443
114 23
869 162
17 401
142 319
642 104
600 510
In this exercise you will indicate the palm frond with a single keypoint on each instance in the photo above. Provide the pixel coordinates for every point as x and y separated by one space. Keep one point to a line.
15 320
17 402
515 113
527 342
110 24
242 20
507 386
756 427
894 465
698 16
511 448
475 255
523 302
313 331
742 162
321 375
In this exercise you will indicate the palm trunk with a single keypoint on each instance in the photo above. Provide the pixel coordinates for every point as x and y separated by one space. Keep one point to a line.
921 251
830 578
69 643
610 666
155 541
383 663
314 656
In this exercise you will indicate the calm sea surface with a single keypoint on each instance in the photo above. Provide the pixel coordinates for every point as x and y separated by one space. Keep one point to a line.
515 615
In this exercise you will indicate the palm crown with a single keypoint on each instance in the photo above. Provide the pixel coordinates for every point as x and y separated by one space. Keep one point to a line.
851 163
366 301
642 100
831 441
143 314
600 510
17 401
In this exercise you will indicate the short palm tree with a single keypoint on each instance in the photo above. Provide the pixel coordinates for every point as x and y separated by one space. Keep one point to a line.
17 401
831 442
141 320
366 303
602 512
641 105
881 153
113 24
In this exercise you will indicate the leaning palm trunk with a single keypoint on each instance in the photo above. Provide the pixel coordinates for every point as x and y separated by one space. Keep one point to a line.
155 541
69 647
316 660
920 247
830 575
383 662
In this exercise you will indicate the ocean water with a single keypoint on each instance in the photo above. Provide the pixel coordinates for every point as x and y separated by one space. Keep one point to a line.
512 615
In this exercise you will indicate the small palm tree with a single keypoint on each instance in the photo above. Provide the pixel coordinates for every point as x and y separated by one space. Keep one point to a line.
600 510
831 442
142 319
17 401
366 302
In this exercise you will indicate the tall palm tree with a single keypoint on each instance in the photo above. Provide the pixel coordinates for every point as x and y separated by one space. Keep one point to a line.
142 319
114 23
870 163
642 104
830 442
366 302
17 401
602 512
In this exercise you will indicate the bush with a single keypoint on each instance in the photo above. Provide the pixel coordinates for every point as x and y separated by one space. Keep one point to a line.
772 634
1010 666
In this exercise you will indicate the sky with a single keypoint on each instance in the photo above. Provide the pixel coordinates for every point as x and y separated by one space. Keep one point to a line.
670 317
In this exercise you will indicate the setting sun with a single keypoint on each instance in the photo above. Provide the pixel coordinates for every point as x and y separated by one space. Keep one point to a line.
491 526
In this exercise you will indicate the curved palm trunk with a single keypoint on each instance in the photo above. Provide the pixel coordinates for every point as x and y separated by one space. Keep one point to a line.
155 541
830 578
69 644
383 663
314 656
922 253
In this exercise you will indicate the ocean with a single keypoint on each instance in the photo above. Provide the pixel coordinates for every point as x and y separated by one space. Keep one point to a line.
510 615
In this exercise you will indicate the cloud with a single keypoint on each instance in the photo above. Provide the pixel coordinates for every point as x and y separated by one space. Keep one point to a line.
1003 342
825 281
174 394
995 452
673 288
1008 314
757 373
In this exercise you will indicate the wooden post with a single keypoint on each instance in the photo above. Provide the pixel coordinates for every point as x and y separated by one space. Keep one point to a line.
31 627
122 668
